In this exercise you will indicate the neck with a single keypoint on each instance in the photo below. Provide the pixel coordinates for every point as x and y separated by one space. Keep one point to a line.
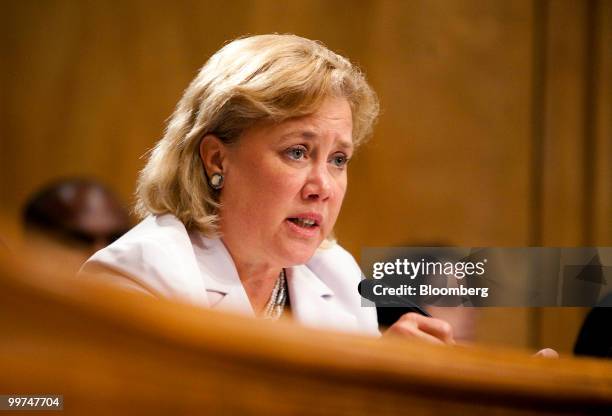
258 280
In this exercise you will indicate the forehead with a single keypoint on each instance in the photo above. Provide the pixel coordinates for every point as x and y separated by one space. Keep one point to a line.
333 113
333 119
331 123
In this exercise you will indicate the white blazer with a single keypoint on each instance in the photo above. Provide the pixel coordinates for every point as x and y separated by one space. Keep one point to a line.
160 257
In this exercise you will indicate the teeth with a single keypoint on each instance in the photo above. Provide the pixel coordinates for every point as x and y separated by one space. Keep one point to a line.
304 222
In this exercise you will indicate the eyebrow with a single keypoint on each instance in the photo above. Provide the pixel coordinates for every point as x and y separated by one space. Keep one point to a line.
310 135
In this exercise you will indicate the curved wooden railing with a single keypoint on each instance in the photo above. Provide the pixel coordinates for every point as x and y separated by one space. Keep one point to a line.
112 352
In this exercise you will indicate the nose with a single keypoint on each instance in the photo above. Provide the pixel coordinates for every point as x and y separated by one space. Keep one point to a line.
318 186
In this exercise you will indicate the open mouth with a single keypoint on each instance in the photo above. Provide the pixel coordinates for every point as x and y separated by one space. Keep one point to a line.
304 222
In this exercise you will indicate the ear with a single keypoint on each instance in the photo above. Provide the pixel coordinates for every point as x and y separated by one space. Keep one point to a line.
213 153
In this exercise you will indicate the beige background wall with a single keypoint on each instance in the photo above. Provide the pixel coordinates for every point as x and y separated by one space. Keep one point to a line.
495 130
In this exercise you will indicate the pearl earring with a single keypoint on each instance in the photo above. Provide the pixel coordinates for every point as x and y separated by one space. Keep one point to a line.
216 181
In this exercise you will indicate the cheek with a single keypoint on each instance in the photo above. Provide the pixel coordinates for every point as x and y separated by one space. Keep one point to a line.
261 187
273 180
339 194
282 190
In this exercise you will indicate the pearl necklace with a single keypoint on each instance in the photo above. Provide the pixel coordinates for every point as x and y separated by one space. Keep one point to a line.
278 299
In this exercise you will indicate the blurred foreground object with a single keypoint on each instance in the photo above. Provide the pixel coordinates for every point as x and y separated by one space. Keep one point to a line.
71 219
114 352
595 338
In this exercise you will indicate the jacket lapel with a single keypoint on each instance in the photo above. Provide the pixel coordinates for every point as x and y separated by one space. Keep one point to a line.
313 303
220 277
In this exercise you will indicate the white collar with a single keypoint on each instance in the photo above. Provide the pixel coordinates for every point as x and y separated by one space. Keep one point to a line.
312 301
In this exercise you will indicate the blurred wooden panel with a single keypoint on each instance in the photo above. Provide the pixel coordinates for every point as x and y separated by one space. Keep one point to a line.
601 208
577 154
564 167
447 163
112 352
89 85
577 157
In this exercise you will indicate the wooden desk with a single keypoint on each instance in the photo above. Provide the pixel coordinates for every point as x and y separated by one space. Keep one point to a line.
113 352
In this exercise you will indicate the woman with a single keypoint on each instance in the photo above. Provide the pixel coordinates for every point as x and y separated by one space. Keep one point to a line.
241 194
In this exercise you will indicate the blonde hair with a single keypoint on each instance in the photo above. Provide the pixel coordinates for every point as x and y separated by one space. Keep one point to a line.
257 78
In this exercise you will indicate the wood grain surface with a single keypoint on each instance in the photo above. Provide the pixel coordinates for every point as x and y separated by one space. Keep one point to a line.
114 352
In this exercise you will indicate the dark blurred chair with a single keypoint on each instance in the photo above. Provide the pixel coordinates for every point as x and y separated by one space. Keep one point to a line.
72 218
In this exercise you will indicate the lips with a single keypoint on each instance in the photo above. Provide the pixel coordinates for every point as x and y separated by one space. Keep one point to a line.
306 224
307 220
303 222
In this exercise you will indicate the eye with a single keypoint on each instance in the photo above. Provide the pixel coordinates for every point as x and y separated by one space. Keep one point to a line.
296 152
339 160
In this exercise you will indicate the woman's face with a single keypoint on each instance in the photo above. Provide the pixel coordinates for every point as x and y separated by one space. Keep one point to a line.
284 186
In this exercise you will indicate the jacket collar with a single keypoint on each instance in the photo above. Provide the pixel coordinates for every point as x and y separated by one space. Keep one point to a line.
219 274
312 302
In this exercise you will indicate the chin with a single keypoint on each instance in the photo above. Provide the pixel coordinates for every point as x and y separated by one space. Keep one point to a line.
300 253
